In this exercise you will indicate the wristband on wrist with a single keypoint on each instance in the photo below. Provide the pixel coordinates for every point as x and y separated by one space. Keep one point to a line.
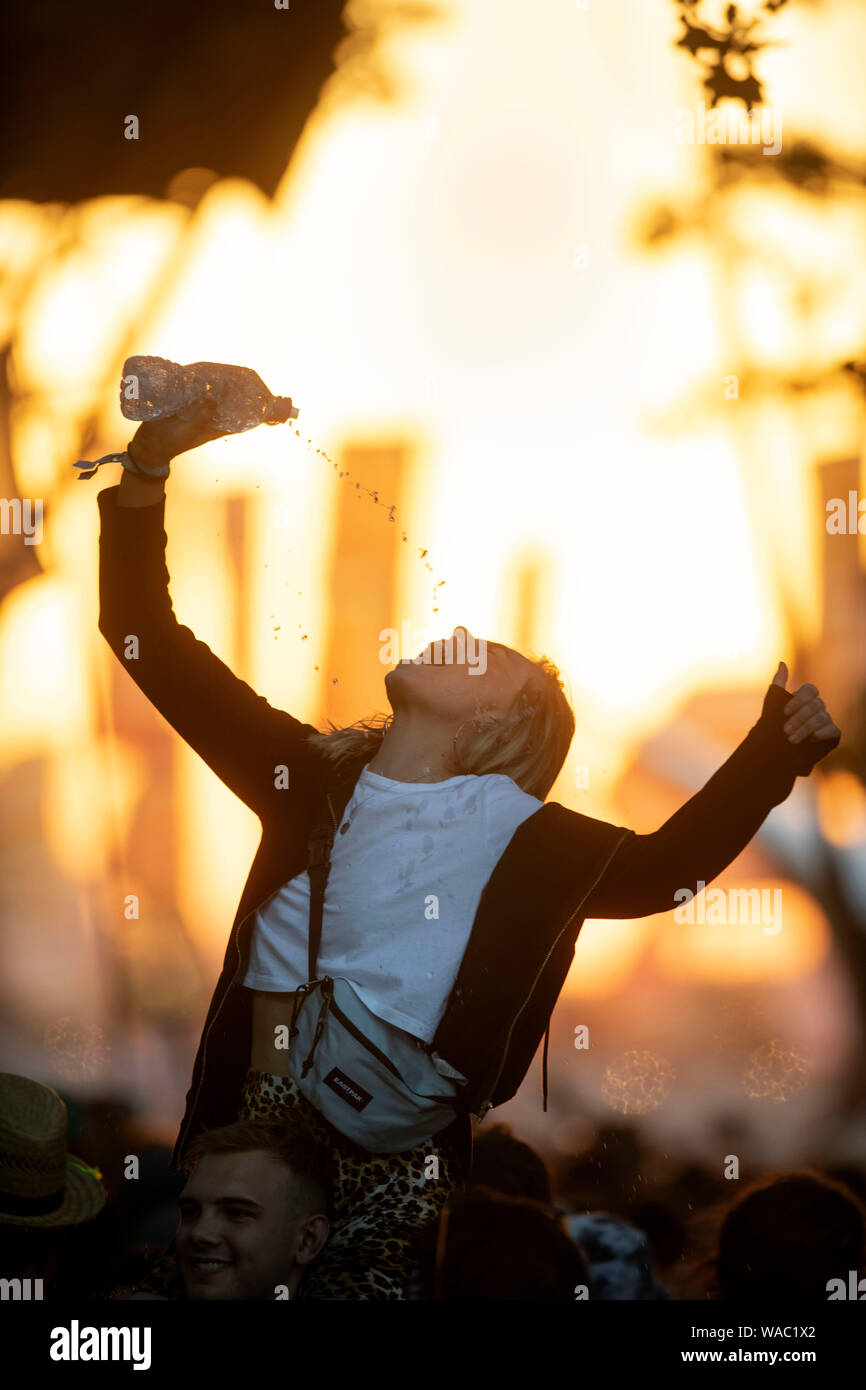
148 475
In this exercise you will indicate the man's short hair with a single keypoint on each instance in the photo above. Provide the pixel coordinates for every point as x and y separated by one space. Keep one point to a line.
309 1161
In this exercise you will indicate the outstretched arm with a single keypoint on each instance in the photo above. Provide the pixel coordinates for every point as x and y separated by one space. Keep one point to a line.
241 737
715 825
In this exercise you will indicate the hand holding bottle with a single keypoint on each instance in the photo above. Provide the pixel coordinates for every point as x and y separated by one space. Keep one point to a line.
157 442
183 407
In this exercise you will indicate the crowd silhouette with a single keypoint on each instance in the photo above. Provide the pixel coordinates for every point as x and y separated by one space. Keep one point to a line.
619 1221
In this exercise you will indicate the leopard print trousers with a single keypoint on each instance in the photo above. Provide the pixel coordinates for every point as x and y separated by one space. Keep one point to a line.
381 1202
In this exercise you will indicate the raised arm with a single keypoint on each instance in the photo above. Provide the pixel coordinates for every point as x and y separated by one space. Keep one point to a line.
717 823
241 737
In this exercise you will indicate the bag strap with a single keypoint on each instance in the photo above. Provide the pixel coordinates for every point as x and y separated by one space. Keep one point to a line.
320 841
337 791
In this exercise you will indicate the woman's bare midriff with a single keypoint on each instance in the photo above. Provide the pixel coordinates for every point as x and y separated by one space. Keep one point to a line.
270 1011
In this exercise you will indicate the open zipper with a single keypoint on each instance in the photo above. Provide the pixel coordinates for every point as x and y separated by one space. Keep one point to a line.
487 1104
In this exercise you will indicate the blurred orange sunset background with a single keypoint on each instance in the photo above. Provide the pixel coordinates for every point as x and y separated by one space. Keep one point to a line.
593 376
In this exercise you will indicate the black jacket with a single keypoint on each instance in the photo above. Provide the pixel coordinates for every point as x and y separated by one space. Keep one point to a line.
559 867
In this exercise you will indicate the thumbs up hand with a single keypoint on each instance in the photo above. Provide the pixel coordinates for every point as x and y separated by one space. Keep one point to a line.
806 714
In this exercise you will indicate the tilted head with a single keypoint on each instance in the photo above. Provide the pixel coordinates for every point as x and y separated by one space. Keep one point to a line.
254 1212
509 712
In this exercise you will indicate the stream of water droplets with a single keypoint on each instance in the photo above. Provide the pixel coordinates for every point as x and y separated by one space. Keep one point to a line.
373 493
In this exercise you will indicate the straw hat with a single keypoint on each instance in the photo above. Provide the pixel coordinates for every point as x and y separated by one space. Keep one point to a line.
40 1183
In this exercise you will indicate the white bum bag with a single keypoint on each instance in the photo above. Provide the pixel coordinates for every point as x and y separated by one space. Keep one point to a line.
373 1082
377 1084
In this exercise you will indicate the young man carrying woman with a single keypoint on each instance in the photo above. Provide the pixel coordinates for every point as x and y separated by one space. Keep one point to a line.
444 802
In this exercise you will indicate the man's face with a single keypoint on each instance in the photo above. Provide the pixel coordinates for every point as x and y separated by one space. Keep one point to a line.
244 1228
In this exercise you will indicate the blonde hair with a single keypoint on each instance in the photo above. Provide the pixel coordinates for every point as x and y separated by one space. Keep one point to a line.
529 744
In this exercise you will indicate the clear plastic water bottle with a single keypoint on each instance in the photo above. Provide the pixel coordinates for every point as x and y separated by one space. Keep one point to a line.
153 388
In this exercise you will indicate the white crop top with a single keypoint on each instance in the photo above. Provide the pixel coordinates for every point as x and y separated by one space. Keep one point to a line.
404 885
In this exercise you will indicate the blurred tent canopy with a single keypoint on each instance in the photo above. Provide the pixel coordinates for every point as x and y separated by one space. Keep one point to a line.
222 87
